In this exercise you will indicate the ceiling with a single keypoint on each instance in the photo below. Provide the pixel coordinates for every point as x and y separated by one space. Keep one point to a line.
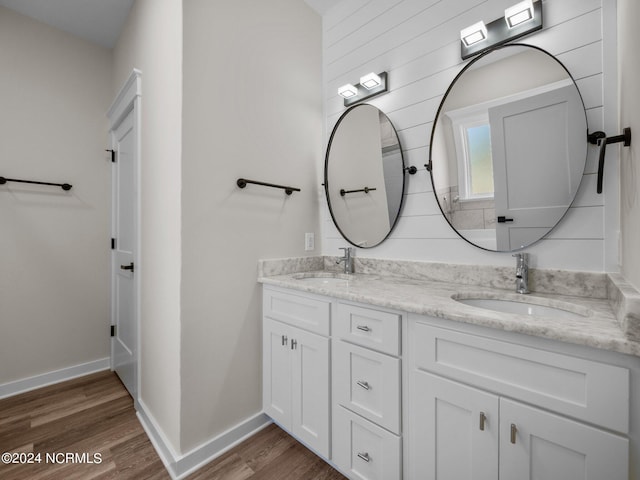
322 6
99 21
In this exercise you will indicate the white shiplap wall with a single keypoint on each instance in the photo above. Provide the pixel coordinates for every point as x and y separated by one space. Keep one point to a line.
417 43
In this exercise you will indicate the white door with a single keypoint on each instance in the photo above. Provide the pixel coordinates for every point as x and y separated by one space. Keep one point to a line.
124 342
454 431
536 445
536 170
310 389
276 371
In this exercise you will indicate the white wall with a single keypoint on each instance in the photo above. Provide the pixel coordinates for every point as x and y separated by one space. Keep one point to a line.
252 108
629 77
417 43
54 245
152 42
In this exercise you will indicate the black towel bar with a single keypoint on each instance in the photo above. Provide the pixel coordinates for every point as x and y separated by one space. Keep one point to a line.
343 192
64 186
242 182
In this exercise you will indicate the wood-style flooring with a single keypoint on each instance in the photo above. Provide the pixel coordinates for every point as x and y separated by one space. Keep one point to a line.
94 415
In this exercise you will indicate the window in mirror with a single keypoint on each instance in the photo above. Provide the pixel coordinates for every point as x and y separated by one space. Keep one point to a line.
479 163
472 138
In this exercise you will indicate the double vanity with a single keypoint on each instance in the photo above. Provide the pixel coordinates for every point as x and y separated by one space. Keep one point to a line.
407 370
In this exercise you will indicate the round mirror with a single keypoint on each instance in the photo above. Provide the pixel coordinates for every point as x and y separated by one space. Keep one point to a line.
364 176
508 147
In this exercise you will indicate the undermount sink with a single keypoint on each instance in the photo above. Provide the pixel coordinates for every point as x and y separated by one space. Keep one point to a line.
522 307
331 279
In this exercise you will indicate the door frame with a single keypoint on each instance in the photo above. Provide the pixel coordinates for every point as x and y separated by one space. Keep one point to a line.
127 101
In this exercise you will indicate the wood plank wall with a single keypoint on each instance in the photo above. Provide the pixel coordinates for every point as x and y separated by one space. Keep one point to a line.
417 43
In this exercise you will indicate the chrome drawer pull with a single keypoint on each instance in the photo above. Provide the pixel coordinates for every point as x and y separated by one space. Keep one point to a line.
483 419
364 385
364 328
364 456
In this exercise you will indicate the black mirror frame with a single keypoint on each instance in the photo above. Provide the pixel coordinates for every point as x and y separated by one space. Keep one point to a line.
326 179
429 166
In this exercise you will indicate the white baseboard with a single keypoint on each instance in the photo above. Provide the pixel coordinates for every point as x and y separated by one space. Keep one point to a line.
158 439
210 450
38 381
181 465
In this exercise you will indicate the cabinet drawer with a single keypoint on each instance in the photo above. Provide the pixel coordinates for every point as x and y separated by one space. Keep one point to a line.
309 313
367 383
369 328
363 450
583 389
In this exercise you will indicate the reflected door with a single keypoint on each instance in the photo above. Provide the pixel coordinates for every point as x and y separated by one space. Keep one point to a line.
533 164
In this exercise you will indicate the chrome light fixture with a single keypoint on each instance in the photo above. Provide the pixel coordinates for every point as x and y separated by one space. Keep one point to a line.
370 85
474 34
519 20
370 81
347 91
519 13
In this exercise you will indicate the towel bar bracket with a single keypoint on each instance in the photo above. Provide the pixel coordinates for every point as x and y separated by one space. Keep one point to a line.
601 140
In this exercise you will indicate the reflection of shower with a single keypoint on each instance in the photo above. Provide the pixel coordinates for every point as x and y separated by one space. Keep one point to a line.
447 206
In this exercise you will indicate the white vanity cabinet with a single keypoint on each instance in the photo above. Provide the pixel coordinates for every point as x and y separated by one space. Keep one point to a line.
362 399
386 395
295 370
480 408
367 389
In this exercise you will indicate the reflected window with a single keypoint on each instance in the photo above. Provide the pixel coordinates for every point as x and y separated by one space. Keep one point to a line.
472 139
479 166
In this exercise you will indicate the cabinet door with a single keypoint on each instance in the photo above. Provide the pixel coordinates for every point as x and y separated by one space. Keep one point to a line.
310 389
276 371
538 445
363 450
367 383
454 431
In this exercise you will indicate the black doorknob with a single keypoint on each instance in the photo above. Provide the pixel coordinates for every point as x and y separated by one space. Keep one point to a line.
127 267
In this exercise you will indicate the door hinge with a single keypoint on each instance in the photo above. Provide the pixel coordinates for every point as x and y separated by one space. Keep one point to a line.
113 155
113 330
113 244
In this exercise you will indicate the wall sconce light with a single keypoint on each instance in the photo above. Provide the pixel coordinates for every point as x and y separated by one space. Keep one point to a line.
474 34
369 86
519 20
370 81
347 91
519 13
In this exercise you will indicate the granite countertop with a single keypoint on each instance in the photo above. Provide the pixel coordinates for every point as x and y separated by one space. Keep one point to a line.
595 326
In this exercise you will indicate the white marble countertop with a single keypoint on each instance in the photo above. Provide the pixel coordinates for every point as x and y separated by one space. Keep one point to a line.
599 328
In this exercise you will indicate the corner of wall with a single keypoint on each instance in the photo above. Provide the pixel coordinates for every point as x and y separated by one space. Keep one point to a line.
151 42
629 116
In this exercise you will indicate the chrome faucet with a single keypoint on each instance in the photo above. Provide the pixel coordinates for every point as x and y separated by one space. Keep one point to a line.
522 272
347 259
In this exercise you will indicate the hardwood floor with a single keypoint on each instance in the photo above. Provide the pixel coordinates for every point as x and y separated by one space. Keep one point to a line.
94 415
